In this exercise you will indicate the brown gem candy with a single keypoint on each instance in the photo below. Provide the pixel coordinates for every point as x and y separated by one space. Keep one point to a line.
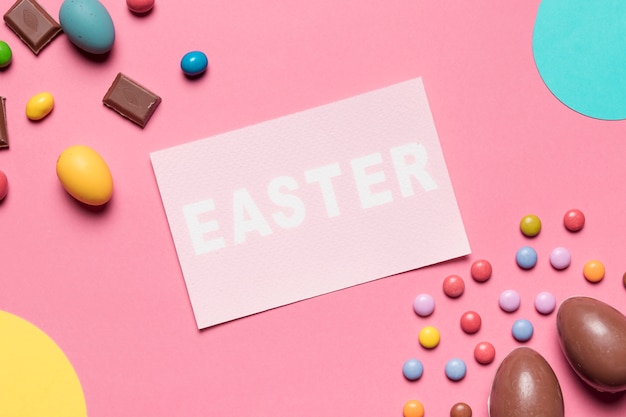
461 410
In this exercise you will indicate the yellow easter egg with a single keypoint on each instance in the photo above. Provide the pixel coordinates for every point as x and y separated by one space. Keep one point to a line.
39 106
85 175
36 378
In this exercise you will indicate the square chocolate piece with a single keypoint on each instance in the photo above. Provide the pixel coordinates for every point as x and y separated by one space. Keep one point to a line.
131 100
4 135
32 24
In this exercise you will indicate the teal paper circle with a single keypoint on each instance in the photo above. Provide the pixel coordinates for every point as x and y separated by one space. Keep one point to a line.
580 52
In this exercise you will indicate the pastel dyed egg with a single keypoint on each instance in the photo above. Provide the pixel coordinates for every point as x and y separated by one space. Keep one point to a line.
39 106
194 63
88 25
85 175
592 335
525 385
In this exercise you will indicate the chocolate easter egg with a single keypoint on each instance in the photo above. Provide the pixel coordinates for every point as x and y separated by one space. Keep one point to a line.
592 335
525 385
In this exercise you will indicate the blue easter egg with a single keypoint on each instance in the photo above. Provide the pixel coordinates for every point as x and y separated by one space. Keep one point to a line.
88 25
194 63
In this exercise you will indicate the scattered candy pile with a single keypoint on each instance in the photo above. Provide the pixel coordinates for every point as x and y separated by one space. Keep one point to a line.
509 301
89 26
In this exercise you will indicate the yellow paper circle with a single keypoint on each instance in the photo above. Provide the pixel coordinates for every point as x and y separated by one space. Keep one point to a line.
36 378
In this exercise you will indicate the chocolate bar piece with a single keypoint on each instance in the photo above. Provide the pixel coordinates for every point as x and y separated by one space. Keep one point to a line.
4 135
131 100
32 24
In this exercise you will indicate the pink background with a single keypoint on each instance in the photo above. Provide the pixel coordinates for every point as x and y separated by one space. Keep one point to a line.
107 287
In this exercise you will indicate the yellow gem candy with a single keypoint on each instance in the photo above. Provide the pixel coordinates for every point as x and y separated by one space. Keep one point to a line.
429 337
530 225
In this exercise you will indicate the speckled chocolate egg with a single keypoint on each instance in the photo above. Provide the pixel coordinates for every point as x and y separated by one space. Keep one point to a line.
592 335
525 385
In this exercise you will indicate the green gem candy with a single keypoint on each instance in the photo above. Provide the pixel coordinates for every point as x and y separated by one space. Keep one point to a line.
5 54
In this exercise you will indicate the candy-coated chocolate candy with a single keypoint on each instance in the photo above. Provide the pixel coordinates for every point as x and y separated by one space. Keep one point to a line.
545 303
453 286
530 225
413 408
574 220
593 271
481 270
525 385
88 25
140 6
592 335
429 337
424 305
5 54
560 258
484 353
456 369
4 185
624 279
470 322
461 410
194 63
526 257
522 330
412 369
39 106
85 175
509 300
